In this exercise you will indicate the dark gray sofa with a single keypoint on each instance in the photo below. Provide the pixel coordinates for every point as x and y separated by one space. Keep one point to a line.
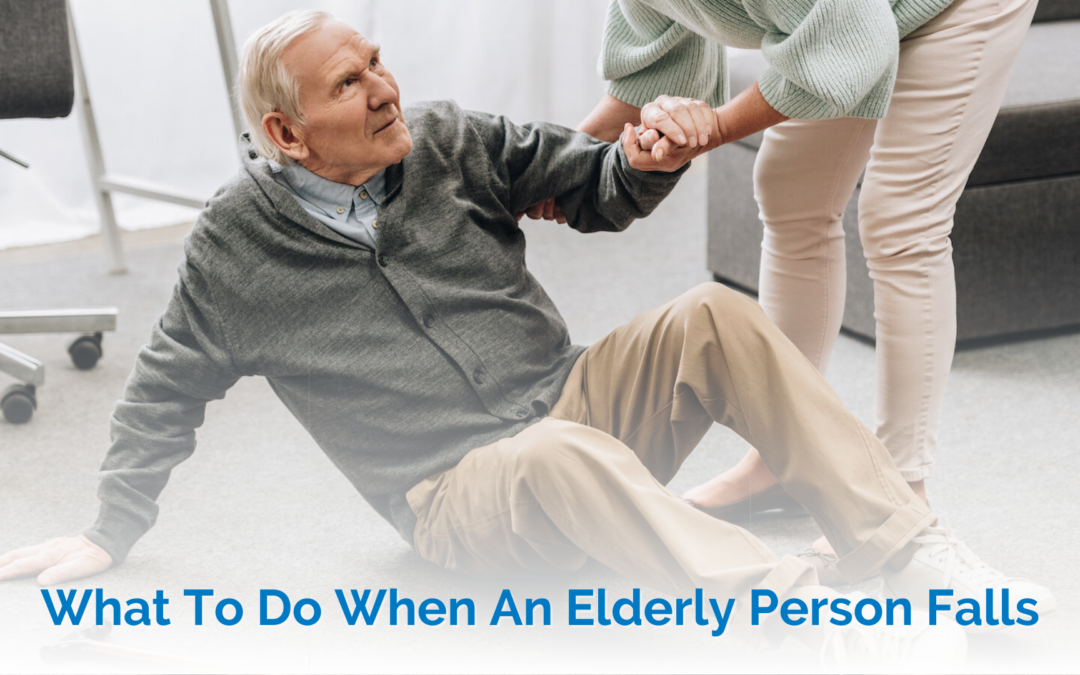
1016 237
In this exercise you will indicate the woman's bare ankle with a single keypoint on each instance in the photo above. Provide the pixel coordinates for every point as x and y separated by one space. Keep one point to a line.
822 545
919 488
749 477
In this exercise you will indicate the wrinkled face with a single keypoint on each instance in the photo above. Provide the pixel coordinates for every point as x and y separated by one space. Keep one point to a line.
353 127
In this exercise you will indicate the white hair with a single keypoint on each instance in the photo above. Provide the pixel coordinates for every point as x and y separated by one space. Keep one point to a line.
265 84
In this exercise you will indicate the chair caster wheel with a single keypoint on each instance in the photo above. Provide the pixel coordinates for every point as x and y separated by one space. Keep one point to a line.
85 351
18 403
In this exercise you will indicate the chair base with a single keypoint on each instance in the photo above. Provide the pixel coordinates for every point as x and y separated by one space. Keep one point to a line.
19 400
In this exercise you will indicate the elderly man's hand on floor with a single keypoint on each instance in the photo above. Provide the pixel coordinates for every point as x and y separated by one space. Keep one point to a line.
56 561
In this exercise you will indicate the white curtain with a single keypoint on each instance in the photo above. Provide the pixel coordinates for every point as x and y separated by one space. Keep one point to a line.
158 92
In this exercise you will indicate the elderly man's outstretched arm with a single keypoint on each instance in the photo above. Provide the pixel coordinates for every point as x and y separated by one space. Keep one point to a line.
599 187
153 429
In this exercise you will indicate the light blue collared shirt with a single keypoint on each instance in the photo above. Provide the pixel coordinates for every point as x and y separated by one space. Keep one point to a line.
350 211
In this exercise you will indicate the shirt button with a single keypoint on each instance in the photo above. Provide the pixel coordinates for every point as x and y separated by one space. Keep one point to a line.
375 224
252 154
340 210
382 259
363 194
478 376
429 320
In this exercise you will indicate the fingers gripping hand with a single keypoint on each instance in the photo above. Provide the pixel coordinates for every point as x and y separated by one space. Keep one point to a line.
546 210
643 160
56 561
683 121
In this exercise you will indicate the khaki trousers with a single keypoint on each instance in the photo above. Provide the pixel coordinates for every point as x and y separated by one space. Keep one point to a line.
950 82
588 480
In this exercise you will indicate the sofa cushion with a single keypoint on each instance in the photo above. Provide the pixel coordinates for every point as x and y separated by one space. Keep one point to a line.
1016 250
1037 132
1057 10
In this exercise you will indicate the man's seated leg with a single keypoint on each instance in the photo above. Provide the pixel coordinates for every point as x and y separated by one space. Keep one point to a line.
659 382
711 355
558 492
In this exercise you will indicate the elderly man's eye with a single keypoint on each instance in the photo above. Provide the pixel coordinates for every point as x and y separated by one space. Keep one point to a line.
374 63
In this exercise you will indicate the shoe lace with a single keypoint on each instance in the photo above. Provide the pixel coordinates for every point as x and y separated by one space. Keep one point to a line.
825 558
943 546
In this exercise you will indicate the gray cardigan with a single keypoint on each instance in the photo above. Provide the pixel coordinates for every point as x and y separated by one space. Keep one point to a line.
397 361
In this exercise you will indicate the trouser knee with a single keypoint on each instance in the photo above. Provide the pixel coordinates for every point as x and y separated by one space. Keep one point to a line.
563 456
716 303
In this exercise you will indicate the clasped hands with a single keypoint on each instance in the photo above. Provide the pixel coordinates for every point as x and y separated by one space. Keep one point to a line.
673 131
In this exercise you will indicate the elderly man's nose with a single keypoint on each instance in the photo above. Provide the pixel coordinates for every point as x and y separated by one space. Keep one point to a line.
381 93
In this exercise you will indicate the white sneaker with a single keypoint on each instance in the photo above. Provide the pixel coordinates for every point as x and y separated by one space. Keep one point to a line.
942 562
918 648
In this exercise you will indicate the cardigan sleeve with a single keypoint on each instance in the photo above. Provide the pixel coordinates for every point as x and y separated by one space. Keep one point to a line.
185 365
827 58
592 182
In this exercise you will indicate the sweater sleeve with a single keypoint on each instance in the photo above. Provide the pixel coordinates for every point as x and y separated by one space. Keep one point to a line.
646 54
591 181
831 58
153 426
827 58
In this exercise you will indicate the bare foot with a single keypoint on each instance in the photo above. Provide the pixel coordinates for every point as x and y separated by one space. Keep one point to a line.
749 477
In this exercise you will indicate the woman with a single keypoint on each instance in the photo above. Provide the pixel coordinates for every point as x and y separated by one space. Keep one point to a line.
905 89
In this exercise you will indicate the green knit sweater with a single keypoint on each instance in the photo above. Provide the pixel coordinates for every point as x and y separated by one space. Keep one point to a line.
827 58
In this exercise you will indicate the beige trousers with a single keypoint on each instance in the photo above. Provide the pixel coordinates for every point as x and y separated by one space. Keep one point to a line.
952 76
589 479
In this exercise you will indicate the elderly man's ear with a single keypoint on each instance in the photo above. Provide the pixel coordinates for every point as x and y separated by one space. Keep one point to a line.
280 129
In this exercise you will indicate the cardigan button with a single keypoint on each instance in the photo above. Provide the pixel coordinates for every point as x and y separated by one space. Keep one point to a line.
429 320
478 376
382 260
252 154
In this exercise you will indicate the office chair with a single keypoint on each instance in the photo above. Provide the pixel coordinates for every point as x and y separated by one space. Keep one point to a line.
37 80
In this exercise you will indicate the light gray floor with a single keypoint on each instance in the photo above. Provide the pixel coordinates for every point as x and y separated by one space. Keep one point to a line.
259 506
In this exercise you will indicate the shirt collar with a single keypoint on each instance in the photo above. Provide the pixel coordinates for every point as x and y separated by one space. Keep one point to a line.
336 199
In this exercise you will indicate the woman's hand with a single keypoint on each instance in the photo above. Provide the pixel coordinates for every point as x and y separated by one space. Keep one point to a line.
691 124
644 160
672 122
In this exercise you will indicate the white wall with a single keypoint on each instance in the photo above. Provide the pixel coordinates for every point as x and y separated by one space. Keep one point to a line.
159 95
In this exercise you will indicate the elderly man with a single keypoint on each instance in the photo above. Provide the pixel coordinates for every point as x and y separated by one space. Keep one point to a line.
368 263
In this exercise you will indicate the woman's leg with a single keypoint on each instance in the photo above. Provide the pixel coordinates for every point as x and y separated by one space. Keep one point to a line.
804 176
952 76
